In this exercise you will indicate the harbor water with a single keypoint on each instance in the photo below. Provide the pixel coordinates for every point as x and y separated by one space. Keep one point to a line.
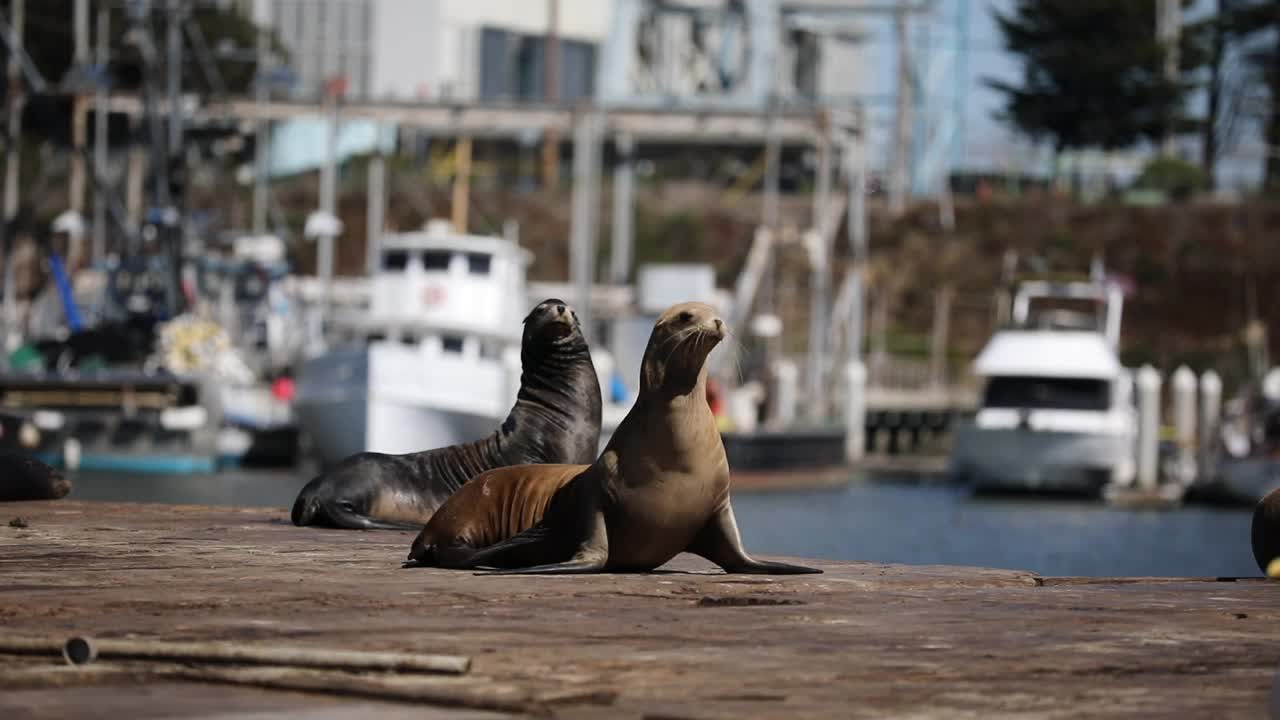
875 517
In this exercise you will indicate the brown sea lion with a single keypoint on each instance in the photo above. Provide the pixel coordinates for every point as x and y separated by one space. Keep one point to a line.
490 508
23 477
1266 533
661 486
556 419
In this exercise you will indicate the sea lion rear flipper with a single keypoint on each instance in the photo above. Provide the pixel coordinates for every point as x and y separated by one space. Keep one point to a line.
719 542
545 549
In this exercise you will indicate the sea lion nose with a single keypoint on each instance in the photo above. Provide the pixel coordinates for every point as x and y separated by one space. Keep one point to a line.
304 509
560 310
719 324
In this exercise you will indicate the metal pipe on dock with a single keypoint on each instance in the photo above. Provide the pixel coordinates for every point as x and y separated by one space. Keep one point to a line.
83 650
1148 386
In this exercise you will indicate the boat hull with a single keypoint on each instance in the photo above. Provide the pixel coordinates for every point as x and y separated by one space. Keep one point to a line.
1013 459
392 401
1250 479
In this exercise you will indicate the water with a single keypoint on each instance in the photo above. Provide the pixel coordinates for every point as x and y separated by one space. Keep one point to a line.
872 519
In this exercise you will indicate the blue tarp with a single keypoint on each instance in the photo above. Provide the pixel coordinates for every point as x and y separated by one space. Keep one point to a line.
298 145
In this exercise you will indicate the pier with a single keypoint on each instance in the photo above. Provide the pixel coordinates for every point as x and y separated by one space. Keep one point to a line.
861 640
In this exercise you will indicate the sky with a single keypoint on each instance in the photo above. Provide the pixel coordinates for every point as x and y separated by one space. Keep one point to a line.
987 143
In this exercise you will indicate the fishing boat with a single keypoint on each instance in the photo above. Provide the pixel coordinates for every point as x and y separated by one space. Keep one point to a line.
1249 452
1056 413
433 359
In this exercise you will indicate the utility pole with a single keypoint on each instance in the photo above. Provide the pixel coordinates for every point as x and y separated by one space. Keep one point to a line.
262 131
100 151
1169 34
79 116
551 138
898 177
174 67
17 98
620 254
13 152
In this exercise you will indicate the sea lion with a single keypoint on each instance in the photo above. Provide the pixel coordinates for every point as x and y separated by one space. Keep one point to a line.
488 509
661 486
1266 534
556 419
23 477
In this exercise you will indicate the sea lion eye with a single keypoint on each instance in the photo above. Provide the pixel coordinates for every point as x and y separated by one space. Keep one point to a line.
685 316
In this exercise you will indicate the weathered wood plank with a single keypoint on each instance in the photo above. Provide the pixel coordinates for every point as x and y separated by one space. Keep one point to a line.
862 640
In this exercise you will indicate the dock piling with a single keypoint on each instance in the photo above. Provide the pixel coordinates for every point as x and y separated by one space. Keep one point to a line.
786 377
1148 384
1184 422
1210 412
855 411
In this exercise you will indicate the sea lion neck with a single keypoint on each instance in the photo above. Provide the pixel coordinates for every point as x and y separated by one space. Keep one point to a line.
558 388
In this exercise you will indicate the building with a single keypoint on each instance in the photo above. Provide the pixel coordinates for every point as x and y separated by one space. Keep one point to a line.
404 50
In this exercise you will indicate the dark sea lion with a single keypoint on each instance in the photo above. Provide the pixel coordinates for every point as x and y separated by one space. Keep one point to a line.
23 477
490 508
661 486
1266 534
556 419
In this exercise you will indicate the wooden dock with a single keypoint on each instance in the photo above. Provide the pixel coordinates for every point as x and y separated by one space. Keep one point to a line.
862 640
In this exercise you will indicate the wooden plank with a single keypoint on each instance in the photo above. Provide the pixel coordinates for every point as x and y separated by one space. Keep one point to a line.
862 640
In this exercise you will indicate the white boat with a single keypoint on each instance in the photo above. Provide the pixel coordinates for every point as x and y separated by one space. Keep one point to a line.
434 358
1057 411
1249 467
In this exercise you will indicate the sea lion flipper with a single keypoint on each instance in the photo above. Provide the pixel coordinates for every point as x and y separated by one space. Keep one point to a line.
587 564
546 549
719 542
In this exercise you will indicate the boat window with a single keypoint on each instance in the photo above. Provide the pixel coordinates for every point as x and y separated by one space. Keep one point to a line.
1048 393
451 343
409 339
374 338
435 260
395 260
478 263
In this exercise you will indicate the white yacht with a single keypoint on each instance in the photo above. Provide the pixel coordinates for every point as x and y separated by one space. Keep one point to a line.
435 357
1057 412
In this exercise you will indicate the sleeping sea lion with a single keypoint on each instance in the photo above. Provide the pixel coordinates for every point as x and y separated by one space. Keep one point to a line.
556 419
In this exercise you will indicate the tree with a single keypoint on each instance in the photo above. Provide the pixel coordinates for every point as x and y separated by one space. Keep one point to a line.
1092 73
1254 26
1214 33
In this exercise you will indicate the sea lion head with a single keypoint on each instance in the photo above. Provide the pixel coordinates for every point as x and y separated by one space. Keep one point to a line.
25 478
683 336
1265 534
552 322
356 491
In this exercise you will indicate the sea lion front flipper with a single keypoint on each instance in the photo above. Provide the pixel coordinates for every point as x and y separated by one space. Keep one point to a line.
719 542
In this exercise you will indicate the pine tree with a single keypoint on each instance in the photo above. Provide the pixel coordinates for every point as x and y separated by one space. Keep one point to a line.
1092 73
